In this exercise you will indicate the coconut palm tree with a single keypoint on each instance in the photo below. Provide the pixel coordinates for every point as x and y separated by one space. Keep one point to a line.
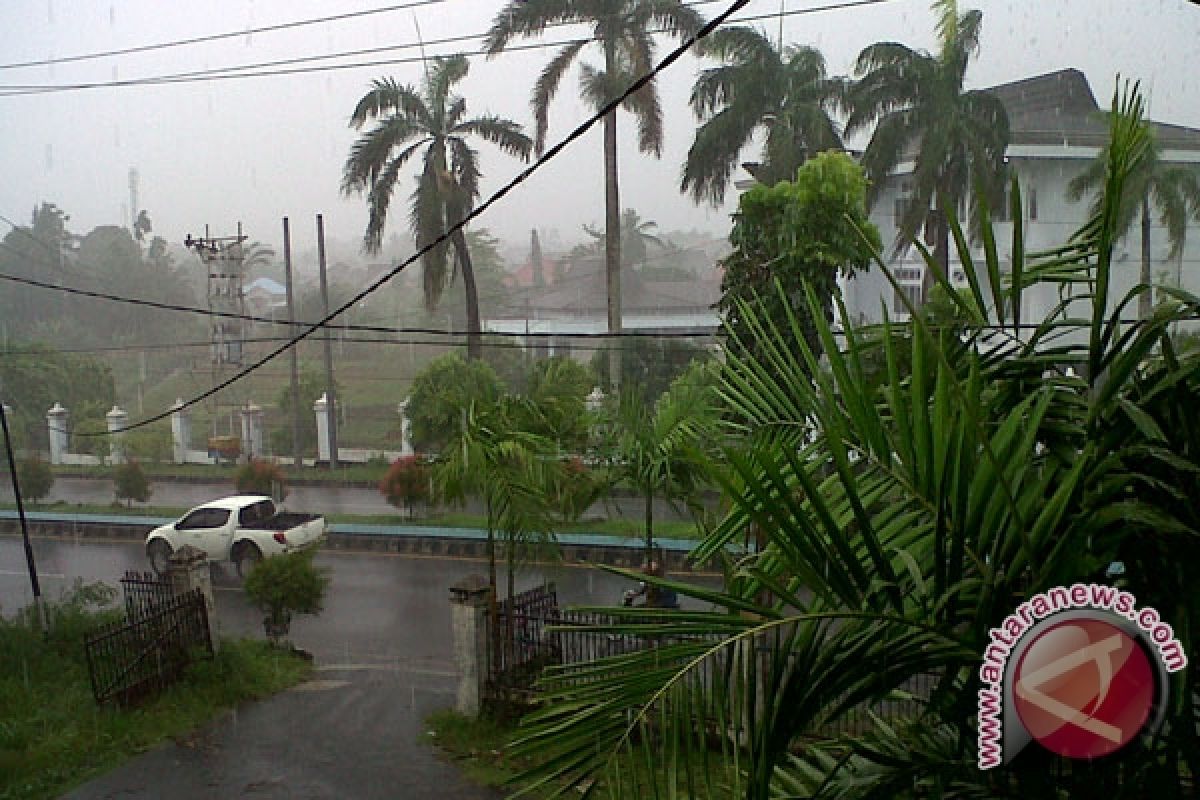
636 237
921 113
430 121
1174 191
621 29
758 88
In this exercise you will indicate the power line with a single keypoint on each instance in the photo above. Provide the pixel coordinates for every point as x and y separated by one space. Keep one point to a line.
134 301
244 71
146 48
476 212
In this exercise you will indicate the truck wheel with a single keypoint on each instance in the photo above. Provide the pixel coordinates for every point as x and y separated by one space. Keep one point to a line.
159 554
247 556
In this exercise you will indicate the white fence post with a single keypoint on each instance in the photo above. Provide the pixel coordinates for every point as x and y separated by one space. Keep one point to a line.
56 421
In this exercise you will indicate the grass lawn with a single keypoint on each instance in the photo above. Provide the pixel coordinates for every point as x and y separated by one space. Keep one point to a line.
53 736
479 747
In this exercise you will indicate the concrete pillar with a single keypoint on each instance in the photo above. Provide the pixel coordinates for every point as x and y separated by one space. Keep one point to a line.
406 447
595 400
468 619
188 570
321 409
56 421
117 420
181 432
252 432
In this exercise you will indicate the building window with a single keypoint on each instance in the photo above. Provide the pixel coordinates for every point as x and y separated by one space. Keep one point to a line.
1031 202
898 209
913 293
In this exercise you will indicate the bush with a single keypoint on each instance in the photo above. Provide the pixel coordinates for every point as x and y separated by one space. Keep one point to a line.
36 478
284 585
149 444
406 483
130 483
257 476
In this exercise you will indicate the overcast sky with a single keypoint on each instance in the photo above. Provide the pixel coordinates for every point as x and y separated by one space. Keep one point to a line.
257 149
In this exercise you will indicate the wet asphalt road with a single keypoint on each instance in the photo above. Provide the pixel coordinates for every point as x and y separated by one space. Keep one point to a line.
317 499
384 661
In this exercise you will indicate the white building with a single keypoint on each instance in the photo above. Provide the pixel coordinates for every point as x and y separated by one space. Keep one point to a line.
1056 129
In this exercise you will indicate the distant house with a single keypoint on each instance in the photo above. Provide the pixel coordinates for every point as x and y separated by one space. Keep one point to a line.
576 303
265 298
1056 130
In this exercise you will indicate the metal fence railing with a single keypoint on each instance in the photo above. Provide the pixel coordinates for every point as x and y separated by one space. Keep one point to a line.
133 660
144 593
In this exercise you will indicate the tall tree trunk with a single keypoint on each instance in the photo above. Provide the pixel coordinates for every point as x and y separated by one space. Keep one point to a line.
1145 299
612 230
474 329
649 524
493 610
941 249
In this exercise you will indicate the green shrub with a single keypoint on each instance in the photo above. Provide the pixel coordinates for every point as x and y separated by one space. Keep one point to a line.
406 483
257 476
149 444
130 483
36 479
287 584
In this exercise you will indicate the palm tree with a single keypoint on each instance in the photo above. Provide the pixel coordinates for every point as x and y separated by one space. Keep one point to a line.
1174 190
142 226
622 30
954 137
659 450
432 120
636 236
758 88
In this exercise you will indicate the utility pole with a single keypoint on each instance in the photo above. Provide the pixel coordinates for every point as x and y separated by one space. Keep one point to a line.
330 394
297 451
16 484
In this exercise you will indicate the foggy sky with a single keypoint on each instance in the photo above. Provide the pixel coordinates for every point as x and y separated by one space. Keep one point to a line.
257 149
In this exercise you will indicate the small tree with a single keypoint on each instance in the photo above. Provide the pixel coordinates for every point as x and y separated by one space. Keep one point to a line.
406 483
258 476
36 478
440 392
284 585
130 483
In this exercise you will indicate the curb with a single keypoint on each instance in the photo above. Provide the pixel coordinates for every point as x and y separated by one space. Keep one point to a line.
426 541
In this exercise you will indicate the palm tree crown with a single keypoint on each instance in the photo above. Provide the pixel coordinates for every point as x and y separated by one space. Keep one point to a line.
758 87
433 120
622 29
1173 190
954 137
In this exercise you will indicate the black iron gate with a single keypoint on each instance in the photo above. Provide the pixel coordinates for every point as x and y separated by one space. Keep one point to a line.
163 633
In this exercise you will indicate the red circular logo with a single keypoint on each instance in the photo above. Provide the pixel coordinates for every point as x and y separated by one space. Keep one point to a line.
1083 688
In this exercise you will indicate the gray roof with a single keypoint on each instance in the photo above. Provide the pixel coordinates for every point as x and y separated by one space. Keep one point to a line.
1059 108
583 290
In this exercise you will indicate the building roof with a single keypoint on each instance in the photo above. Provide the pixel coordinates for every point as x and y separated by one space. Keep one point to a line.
583 291
267 285
1059 108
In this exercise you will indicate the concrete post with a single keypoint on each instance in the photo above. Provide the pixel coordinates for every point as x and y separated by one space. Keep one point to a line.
406 448
252 433
468 618
117 420
181 432
321 408
595 400
56 421
188 570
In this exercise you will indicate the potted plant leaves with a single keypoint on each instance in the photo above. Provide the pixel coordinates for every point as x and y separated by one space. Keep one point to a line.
285 585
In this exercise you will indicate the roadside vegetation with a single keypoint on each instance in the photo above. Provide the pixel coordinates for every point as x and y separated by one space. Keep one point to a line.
53 736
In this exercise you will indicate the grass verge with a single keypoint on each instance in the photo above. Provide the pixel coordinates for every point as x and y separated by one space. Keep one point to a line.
53 736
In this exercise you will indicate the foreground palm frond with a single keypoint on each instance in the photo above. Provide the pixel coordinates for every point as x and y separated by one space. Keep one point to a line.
905 501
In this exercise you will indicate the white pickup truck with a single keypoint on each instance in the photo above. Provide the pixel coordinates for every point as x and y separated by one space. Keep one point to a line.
242 529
